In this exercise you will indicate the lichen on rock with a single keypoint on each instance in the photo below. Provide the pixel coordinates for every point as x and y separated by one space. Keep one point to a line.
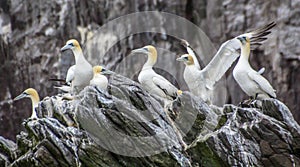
128 127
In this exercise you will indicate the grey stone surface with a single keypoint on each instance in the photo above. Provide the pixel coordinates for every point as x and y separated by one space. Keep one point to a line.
32 33
86 132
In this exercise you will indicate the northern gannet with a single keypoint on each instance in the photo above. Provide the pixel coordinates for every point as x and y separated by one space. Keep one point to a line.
99 80
251 81
151 81
68 82
201 82
158 85
35 99
82 70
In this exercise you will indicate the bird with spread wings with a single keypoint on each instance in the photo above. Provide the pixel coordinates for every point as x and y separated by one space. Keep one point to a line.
201 82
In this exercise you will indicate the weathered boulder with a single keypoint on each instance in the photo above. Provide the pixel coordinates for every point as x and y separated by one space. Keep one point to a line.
32 32
128 127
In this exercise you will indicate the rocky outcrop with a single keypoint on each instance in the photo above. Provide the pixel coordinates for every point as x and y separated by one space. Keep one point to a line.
33 32
128 127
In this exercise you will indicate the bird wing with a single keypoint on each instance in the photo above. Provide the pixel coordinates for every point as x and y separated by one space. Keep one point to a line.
165 86
220 63
262 83
191 52
259 35
227 54
70 74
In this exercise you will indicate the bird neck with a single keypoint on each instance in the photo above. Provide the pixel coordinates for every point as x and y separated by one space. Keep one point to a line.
35 99
245 51
190 64
78 55
152 58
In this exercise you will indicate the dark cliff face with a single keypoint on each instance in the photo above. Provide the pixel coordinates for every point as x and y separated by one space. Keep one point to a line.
33 32
128 127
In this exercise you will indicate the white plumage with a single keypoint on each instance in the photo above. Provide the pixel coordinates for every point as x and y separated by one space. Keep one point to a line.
151 81
99 80
251 81
70 74
201 82
35 99
82 72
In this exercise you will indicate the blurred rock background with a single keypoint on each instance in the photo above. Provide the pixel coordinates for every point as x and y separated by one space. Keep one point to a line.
32 33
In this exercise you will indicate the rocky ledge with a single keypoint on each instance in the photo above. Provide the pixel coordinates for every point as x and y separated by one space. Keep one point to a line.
127 127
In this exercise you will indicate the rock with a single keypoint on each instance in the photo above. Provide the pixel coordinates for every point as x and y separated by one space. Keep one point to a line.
128 127
33 48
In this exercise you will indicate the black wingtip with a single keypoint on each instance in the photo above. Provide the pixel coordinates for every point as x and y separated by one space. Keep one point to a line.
265 29
260 34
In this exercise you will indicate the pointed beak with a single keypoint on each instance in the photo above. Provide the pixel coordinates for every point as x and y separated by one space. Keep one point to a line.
107 72
180 59
66 47
21 96
140 50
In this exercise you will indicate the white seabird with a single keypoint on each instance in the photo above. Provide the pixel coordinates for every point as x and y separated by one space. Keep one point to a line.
151 81
82 72
99 80
201 82
35 99
251 81
158 85
68 82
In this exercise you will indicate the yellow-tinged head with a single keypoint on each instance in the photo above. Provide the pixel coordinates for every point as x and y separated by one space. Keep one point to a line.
34 96
101 70
244 40
97 69
72 44
150 51
31 93
245 48
187 59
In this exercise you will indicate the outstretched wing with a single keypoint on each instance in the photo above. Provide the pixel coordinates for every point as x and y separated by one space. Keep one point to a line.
70 74
221 62
191 52
227 54
163 84
262 83
259 35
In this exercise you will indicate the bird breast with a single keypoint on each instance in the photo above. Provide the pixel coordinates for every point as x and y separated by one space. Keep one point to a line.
246 84
99 81
146 80
83 74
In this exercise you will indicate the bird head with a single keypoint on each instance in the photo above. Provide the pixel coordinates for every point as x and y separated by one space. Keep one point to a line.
187 59
150 51
71 44
244 40
31 93
101 70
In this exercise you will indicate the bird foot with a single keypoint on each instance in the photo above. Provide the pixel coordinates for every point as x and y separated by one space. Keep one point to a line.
246 103
256 104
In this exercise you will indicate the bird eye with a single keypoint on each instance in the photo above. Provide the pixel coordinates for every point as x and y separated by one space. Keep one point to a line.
186 58
103 69
71 44
146 49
